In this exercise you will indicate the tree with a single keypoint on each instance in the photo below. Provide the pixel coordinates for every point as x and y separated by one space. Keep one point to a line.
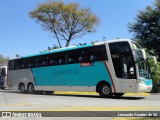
3 60
155 74
65 21
147 28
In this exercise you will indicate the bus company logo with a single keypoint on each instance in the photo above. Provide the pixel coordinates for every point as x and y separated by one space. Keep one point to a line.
87 64
6 114
65 72
21 114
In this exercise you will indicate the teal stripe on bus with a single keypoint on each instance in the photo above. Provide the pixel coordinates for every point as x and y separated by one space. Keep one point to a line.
148 82
71 75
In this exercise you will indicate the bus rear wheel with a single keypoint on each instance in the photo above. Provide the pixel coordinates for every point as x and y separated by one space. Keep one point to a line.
105 91
22 88
30 88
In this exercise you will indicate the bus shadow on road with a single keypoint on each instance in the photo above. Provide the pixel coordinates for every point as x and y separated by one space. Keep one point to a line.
77 95
9 91
97 96
130 98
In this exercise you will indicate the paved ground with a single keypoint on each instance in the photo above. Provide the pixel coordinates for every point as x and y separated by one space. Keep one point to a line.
72 101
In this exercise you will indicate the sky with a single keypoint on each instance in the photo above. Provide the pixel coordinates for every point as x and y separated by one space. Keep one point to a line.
22 35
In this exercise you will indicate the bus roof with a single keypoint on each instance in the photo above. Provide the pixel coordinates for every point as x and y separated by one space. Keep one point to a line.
72 48
112 41
55 51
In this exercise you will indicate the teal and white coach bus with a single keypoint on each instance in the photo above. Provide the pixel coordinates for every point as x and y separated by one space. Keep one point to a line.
110 68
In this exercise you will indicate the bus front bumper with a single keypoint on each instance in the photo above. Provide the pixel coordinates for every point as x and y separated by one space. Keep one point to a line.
143 87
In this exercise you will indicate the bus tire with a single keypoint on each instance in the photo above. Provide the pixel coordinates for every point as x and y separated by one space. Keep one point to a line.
118 95
22 88
105 90
30 88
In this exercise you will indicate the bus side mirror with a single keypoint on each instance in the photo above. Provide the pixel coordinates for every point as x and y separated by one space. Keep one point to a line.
143 54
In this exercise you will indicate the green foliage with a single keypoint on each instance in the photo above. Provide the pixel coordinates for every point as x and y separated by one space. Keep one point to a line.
147 27
155 73
3 60
154 70
65 21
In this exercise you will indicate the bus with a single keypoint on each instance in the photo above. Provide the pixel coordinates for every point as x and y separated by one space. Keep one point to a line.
3 75
110 68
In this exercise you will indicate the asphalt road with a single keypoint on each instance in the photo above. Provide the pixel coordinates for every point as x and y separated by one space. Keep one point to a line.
60 101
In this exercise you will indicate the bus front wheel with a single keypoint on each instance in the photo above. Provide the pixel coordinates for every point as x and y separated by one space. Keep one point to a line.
30 88
105 91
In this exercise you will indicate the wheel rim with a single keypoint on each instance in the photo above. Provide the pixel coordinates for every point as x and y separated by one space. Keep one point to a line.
106 90
22 88
30 88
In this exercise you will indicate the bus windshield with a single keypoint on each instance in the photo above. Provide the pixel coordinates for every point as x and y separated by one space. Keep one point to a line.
143 69
138 55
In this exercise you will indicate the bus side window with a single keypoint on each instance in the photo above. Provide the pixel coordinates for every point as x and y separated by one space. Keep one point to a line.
61 61
53 62
30 63
97 53
12 65
71 60
94 58
75 57
80 59
81 56
42 61
57 59
21 64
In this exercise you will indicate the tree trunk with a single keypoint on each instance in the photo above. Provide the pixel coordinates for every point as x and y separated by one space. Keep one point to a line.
67 43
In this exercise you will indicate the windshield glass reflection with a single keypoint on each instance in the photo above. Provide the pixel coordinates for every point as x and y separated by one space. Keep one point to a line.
143 69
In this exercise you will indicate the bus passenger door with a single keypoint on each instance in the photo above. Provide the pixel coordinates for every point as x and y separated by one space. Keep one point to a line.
128 81
124 67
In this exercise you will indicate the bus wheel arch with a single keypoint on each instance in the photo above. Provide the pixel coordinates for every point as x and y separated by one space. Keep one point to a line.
30 88
21 87
104 89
